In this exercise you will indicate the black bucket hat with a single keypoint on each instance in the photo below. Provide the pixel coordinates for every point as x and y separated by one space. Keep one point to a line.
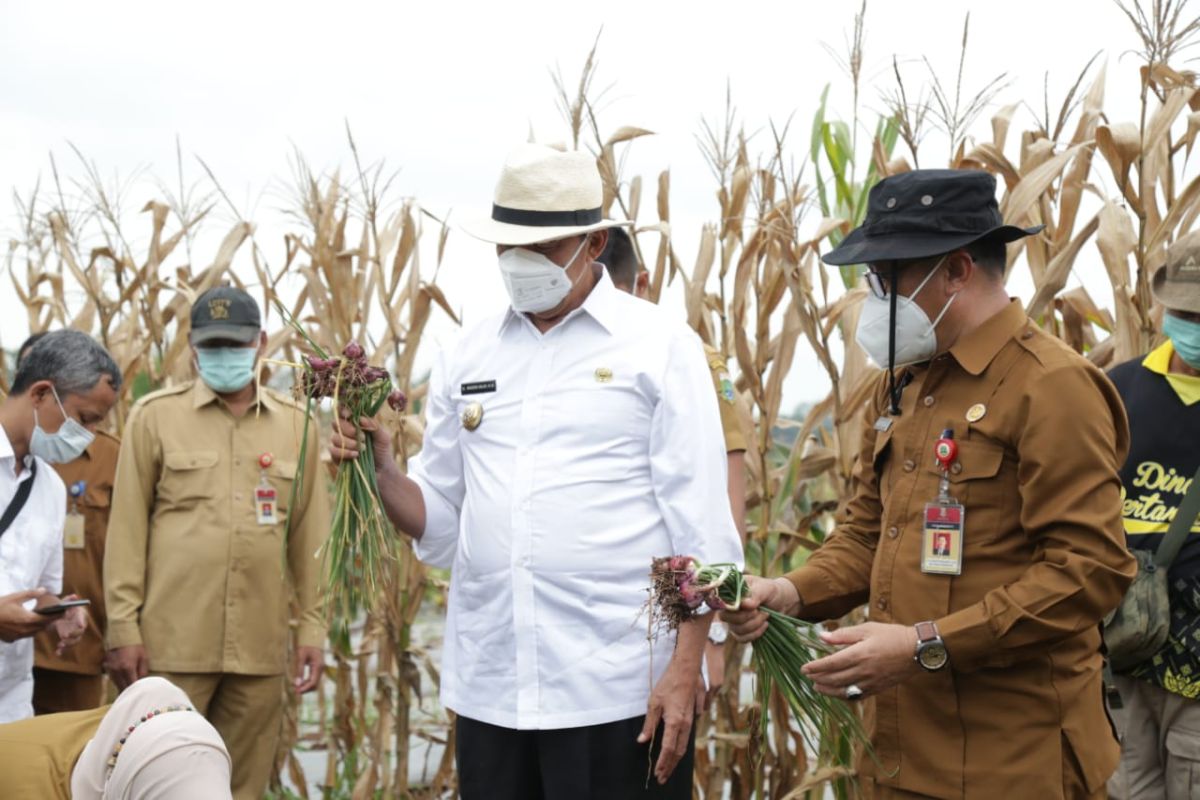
923 213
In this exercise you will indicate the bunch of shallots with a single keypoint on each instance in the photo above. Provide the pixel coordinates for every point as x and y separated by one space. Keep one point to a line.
681 584
361 539
348 374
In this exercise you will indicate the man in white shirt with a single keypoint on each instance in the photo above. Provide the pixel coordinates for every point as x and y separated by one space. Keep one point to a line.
63 389
569 441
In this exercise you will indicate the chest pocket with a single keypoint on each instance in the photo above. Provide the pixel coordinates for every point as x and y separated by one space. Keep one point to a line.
98 497
282 475
188 477
975 477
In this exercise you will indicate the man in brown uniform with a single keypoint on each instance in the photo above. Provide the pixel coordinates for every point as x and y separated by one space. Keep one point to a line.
627 275
74 680
981 669
201 524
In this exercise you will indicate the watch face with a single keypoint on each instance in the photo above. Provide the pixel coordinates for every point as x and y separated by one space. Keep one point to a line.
933 656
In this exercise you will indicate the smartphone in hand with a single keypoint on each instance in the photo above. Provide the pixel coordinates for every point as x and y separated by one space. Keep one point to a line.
61 607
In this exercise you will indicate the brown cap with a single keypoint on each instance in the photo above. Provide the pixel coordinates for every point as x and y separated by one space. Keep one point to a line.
1176 284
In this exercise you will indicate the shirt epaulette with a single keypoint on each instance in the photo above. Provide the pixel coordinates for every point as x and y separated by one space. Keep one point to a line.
168 391
287 398
716 361
106 435
1047 349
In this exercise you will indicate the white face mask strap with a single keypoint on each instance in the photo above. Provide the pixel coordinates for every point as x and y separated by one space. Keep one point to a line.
925 280
570 261
60 408
58 400
574 256
945 308
578 250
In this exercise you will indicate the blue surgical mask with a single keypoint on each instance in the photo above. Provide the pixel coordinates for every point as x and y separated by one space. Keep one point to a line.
64 445
226 369
1185 337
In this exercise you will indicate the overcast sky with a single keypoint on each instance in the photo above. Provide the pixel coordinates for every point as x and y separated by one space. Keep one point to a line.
442 90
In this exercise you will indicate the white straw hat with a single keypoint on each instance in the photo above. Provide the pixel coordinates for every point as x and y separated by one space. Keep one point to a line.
543 194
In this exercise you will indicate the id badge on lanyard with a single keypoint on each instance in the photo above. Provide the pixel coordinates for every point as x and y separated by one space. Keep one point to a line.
945 518
74 537
266 505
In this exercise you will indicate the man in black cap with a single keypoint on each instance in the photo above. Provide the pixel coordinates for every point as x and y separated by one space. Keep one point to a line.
200 516
981 665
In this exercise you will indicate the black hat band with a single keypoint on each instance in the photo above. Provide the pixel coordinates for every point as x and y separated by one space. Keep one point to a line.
546 219
945 222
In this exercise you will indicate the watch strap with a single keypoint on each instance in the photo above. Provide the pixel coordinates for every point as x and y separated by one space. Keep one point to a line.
926 632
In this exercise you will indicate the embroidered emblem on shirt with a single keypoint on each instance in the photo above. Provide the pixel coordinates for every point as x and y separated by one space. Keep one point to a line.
603 375
727 393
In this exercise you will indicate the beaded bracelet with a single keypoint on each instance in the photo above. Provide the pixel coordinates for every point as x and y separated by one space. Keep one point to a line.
112 760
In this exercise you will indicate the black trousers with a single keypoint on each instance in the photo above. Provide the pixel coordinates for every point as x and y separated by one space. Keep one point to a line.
597 762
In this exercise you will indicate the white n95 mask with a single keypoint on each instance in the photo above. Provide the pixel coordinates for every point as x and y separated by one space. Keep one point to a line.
534 282
916 340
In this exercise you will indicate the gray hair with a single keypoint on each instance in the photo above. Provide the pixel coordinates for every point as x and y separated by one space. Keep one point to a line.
73 361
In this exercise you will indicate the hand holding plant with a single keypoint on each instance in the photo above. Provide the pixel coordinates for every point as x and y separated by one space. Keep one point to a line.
680 585
361 540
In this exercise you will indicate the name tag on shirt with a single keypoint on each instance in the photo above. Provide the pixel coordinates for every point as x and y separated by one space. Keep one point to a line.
479 387
73 538
942 548
265 508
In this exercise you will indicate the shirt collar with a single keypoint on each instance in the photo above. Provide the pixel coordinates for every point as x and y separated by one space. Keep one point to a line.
1158 361
977 349
6 453
202 396
600 304
6 448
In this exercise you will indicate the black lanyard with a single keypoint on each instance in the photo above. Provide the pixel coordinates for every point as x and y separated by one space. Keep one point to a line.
18 502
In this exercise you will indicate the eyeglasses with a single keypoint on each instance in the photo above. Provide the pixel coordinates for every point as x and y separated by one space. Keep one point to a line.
879 276
877 283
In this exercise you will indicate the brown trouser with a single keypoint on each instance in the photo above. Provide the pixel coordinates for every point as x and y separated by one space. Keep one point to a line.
1160 743
55 691
247 711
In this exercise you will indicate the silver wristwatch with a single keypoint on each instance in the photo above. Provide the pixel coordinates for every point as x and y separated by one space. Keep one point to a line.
931 651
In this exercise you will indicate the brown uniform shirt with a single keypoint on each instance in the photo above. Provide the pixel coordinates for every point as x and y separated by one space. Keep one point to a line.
82 568
38 755
727 403
1044 561
189 572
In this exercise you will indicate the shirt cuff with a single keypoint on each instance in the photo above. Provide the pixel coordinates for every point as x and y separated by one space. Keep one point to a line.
969 639
123 634
439 542
310 635
812 586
